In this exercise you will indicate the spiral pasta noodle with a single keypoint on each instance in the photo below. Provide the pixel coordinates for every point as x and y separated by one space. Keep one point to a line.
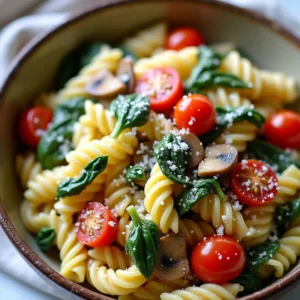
159 202
84 134
221 214
73 254
183 61
285 257
146 41
261 219
265 84
27 168
206 292
107 59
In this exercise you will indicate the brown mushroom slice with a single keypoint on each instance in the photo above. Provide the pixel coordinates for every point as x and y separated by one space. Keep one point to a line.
196 149
219 160
104 85
126 74
172 262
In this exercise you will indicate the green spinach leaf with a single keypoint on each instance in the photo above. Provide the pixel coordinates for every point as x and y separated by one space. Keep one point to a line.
250 282
190 196
131 111
258 255
171 154
273 155
88 52
228 116
135 173
74 186
143 243
127 52
285 215
45 238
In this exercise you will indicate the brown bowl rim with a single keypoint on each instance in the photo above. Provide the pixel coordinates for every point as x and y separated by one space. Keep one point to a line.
280 286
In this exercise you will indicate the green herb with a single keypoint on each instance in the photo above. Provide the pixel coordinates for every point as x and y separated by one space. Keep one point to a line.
172 154
273 155
143 243
189 197
74 186
57 141
285 215
131 111
88 52
127 52
135 173
227 116
258 255
45 238
205 74
250 282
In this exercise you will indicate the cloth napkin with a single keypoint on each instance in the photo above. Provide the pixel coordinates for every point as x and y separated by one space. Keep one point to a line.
39 17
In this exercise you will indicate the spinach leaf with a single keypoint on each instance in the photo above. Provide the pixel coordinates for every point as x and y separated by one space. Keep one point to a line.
258 255
272 155
205 74
74 186
127 52
228 116
131 111
57 141
285 215
45 238
190 196
143 243
135 173
171 154
250 282
88 52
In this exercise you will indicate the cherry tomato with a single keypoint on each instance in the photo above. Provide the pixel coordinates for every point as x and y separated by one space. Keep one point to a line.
283 129
96 225
163 87
33 123
196 113
254 183
182 37
218 259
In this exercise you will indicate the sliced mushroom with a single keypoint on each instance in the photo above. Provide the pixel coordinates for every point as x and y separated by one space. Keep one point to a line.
196 149
104 85
219 160
126 74
172 262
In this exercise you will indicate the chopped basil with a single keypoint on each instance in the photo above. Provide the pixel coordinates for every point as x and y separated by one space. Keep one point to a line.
171 154
45 238
74 186
273 155
143 243
131 111
285 215
135 173
227 116
190 196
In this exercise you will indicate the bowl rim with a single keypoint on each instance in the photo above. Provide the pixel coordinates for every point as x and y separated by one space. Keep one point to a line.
281 285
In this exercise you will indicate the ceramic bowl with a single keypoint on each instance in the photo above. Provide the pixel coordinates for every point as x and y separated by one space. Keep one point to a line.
269 45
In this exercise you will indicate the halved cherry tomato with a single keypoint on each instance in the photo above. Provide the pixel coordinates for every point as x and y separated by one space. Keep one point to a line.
254 183
163 87
33 123
196 113
182 37
218 259
96 225
282 129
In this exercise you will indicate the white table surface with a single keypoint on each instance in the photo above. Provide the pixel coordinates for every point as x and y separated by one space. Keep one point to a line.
11 289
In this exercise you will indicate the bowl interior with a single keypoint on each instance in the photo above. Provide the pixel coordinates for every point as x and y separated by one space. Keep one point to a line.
34 72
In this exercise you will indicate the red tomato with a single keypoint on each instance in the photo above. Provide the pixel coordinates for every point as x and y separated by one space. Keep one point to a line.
254 183
196 113
218 259
96 225
283 129
182 37
33 123
162 86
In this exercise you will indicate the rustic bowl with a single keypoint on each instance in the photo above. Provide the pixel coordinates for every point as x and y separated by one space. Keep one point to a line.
269 45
